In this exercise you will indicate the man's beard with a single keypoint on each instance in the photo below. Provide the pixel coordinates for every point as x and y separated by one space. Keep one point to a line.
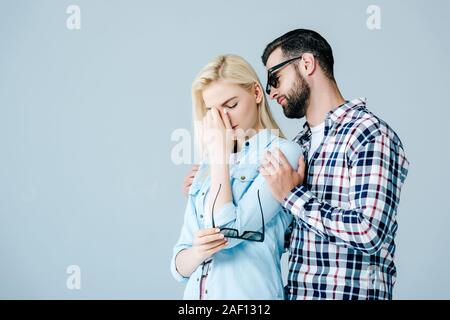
297 99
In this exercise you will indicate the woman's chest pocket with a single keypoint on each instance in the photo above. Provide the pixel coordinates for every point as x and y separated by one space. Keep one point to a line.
241 179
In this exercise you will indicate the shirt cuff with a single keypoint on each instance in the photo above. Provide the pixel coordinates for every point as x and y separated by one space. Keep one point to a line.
296 199
225 215
174 270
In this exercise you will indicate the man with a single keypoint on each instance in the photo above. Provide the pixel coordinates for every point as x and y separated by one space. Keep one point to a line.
345 204
345 198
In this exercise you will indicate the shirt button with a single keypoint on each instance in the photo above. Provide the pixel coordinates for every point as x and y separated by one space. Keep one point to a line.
247 143
206 291
203 193
198 279
201 216
242 177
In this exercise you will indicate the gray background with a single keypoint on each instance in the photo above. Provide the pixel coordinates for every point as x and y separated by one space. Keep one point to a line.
86 118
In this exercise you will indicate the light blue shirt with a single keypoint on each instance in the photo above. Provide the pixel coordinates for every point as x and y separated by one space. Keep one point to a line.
244 269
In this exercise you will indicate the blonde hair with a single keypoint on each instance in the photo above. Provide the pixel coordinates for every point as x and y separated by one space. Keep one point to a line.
236 70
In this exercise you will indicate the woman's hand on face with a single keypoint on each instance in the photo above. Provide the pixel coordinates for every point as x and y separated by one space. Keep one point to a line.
207 242
218 134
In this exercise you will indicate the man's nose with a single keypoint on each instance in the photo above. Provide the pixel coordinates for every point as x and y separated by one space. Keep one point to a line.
273 93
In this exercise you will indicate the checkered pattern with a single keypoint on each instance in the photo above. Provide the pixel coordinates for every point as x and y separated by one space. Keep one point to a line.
342 244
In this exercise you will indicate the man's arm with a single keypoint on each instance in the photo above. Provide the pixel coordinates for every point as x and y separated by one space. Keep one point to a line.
377 173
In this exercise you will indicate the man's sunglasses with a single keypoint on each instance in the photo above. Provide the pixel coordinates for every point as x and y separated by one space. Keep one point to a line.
272 78
234 233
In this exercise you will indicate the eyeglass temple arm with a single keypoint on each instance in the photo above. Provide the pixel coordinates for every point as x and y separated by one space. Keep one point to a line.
214 203
260 208
262 214
282 64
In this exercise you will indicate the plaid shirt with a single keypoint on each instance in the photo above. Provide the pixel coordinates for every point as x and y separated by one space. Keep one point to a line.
342 244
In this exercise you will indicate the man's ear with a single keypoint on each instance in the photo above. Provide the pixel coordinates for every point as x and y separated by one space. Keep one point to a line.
309 64
258 93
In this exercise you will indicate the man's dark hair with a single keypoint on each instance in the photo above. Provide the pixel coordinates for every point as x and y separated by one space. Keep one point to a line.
299 41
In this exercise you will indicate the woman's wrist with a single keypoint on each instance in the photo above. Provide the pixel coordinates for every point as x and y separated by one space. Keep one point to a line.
197 256
219 157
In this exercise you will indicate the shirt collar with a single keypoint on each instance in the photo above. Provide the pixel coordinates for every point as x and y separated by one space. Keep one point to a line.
259 141
339 112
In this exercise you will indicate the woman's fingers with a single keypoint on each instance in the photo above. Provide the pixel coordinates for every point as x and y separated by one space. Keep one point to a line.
209 241
207 231
210 115
207 120
226 119
212 244
218 119
216 248
215 114
211 238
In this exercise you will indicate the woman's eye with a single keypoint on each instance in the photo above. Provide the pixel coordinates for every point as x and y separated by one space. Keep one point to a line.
231 107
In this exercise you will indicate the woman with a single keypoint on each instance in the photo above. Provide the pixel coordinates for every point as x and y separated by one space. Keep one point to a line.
233 234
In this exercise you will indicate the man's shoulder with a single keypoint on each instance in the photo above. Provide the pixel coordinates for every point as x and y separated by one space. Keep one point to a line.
362 126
